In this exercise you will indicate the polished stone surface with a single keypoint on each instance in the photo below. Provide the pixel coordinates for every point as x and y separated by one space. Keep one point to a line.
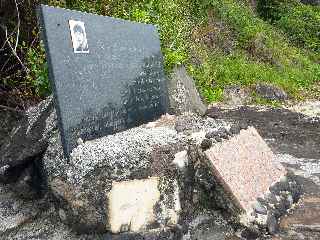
245 166
115 85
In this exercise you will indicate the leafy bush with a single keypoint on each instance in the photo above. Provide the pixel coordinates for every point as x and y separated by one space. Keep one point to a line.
37 75
299 21
272 10
263 54
302 24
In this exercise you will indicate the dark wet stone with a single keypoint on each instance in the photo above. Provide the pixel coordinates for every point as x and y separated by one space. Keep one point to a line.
206 144
224 135
118 84
250 234
211 134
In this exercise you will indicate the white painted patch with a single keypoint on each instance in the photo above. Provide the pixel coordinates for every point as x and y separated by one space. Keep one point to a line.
131 204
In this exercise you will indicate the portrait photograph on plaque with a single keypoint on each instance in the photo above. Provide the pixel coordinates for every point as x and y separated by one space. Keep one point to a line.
78 36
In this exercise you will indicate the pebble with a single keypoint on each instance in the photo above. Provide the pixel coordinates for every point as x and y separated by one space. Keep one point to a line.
218 139
235 129
243 125
259 208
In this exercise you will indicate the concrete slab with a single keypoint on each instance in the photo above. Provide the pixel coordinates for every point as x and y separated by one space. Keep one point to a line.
245 166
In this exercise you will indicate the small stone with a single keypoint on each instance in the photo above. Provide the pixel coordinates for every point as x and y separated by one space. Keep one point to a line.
218 139
270 92
228 133
270 197
290 200
80 141
3 169
259 208
224 135
278 187
261 219
235 129
272 224
62 214
243 125
214 133
284 179
250 233
181 159
183 124
211 134
206 144
124 228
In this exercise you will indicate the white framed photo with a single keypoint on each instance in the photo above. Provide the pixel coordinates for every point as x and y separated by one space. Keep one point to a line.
78 36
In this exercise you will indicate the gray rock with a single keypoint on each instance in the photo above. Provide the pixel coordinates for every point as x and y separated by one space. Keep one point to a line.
235 95
183 94
243 125
235 129
272 223
218 139
8 121
14 211
270 92
259 208
311 2
220 132
81 185
29 139
206 143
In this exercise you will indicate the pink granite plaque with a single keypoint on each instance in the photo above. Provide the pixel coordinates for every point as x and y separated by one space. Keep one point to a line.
245 166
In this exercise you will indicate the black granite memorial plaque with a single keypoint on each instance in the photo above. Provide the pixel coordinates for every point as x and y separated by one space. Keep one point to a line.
106 73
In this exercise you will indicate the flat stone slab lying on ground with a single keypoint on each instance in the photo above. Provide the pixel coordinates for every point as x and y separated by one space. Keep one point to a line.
245 166
113 81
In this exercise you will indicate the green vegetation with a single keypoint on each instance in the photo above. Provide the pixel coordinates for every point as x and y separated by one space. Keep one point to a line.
300 22
221 42
37 76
